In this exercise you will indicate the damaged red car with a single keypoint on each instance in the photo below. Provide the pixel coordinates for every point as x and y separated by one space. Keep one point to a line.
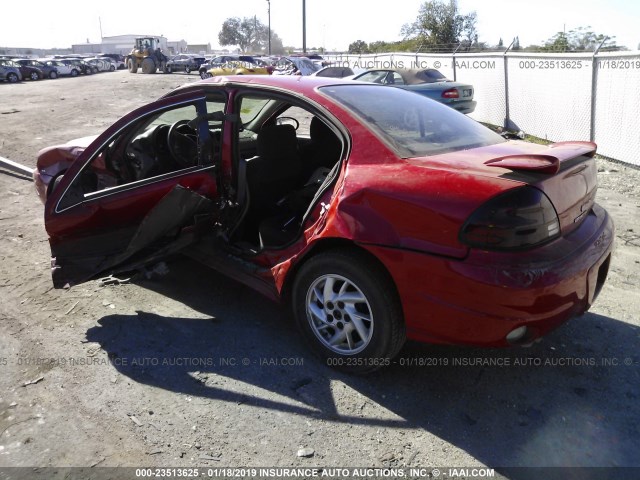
377 214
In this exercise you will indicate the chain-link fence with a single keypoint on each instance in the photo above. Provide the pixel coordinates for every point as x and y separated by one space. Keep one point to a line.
552 96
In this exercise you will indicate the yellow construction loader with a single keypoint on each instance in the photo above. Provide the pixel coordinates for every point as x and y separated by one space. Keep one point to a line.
147 55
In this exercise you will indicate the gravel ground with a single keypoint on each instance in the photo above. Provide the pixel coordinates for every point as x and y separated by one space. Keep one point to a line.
188 368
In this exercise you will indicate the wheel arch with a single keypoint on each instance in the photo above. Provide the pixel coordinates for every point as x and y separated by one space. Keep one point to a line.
335 244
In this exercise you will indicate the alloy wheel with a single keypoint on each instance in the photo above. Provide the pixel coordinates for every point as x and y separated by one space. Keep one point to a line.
339 314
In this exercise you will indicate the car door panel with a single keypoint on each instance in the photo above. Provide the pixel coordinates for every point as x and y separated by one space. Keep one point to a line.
166 228
115 228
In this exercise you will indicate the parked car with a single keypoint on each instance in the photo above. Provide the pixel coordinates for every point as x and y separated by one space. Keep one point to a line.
83 67
113 64
9 72
63 69
316 59
116 59
93 68
428 82
222 59
396 217
295 66
238 68
184 63
27 71
48 71
102 64
333 72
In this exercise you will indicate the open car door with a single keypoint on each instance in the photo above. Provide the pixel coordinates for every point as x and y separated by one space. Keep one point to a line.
138 192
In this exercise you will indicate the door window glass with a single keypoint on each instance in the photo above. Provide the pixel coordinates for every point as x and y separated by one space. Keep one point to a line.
155 146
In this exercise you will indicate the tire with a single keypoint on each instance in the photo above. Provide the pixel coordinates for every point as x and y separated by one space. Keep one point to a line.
74 73
34 76
53 75
132 66
113 68
368 295
204 75
187 70
148 66
12 77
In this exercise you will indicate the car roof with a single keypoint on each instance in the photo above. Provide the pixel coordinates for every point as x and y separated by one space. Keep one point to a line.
411 76
294 83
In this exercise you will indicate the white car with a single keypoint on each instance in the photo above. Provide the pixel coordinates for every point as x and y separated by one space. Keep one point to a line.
103 64
62 68
115 64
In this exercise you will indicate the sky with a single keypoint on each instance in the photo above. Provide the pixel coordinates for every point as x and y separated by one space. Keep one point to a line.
332 24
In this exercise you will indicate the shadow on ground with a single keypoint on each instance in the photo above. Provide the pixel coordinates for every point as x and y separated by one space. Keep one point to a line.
571 400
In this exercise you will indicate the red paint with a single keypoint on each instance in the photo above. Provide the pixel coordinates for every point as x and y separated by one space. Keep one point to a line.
408 214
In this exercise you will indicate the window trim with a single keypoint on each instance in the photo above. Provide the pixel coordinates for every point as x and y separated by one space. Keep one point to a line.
100 149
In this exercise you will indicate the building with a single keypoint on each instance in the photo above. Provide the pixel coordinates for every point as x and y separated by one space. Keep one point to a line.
121 44
177 47
202 49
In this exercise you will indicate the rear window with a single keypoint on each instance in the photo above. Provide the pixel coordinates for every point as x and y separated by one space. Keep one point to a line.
413 125
431 75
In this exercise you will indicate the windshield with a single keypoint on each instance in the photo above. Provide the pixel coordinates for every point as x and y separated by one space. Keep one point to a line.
413 125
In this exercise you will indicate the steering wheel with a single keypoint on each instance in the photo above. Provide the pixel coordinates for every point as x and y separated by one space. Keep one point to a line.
182 141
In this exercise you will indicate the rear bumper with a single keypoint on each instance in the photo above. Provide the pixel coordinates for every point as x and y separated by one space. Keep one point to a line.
465 107
481 299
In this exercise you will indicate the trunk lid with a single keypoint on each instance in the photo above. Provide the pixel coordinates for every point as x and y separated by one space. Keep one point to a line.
566 172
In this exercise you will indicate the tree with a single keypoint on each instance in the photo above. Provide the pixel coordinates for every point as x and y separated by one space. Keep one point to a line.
249 34
277 47
359 46
441 26
581 39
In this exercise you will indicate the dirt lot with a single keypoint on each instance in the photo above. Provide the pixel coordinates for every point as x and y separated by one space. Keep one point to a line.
188 368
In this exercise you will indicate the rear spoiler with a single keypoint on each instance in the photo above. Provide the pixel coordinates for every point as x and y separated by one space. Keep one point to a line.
540 163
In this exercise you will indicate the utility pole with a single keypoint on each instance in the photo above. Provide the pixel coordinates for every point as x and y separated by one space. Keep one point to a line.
304 26
269 15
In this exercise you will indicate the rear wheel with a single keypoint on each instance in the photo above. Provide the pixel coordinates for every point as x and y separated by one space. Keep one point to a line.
74 72
113 68
34 76
12 78
347 308
53 75
148 65
187 69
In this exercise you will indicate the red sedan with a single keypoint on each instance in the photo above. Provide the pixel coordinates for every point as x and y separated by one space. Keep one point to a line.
378 214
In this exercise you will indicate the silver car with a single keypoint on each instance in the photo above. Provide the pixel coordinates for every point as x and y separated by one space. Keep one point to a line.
9 73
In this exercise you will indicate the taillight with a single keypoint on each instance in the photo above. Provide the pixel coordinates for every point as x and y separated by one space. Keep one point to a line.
451 93
518 219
